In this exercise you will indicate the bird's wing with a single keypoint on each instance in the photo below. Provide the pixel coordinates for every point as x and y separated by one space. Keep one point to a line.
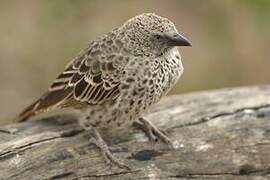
93 77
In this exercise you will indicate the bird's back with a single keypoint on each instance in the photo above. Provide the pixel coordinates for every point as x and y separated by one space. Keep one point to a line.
91 78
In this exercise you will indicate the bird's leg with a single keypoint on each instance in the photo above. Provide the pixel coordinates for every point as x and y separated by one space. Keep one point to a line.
146 129
153 132
105 149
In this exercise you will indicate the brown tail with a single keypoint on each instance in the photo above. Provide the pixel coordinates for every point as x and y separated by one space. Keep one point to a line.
44 104
27 112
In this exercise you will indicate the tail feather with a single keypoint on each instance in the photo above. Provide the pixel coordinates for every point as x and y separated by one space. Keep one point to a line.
26 113
46 103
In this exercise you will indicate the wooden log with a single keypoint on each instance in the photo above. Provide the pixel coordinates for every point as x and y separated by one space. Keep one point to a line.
221 134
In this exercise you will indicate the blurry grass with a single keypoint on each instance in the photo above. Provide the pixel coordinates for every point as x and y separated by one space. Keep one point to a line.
261 7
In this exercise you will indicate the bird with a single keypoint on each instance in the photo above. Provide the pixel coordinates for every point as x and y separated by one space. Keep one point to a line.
117 78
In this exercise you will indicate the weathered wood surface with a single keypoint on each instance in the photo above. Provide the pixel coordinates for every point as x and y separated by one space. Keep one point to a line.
222 134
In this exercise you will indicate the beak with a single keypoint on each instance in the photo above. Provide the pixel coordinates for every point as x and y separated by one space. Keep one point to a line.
178 40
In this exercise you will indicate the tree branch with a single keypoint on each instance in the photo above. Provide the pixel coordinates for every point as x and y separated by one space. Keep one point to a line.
221 134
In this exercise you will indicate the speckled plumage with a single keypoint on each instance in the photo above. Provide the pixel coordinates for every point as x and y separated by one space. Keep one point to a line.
119 76
141 84
123 77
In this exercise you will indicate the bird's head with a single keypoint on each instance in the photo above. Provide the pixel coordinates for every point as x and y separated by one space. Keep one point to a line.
152 33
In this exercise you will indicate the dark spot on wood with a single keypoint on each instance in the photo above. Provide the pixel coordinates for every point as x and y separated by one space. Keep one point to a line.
246 169
145 155
59 156
71 133
7 156
62 175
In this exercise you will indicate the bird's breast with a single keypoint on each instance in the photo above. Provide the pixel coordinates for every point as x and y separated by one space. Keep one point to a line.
147 81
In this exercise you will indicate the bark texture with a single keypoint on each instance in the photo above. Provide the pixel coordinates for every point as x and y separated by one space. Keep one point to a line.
221 134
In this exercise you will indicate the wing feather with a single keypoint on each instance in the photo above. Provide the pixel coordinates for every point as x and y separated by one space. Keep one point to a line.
88 77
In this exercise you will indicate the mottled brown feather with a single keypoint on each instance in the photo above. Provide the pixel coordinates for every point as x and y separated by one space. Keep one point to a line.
86 78
82 81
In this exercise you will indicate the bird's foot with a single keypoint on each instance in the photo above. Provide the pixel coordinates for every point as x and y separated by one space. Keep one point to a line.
105 150
153 133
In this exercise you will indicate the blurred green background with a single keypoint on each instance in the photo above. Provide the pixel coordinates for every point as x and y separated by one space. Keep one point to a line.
230 41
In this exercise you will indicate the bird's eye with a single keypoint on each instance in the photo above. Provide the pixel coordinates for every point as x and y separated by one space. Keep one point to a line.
158 37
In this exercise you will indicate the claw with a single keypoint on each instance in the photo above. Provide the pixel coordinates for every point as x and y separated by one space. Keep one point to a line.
105 150
117 162
154 133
